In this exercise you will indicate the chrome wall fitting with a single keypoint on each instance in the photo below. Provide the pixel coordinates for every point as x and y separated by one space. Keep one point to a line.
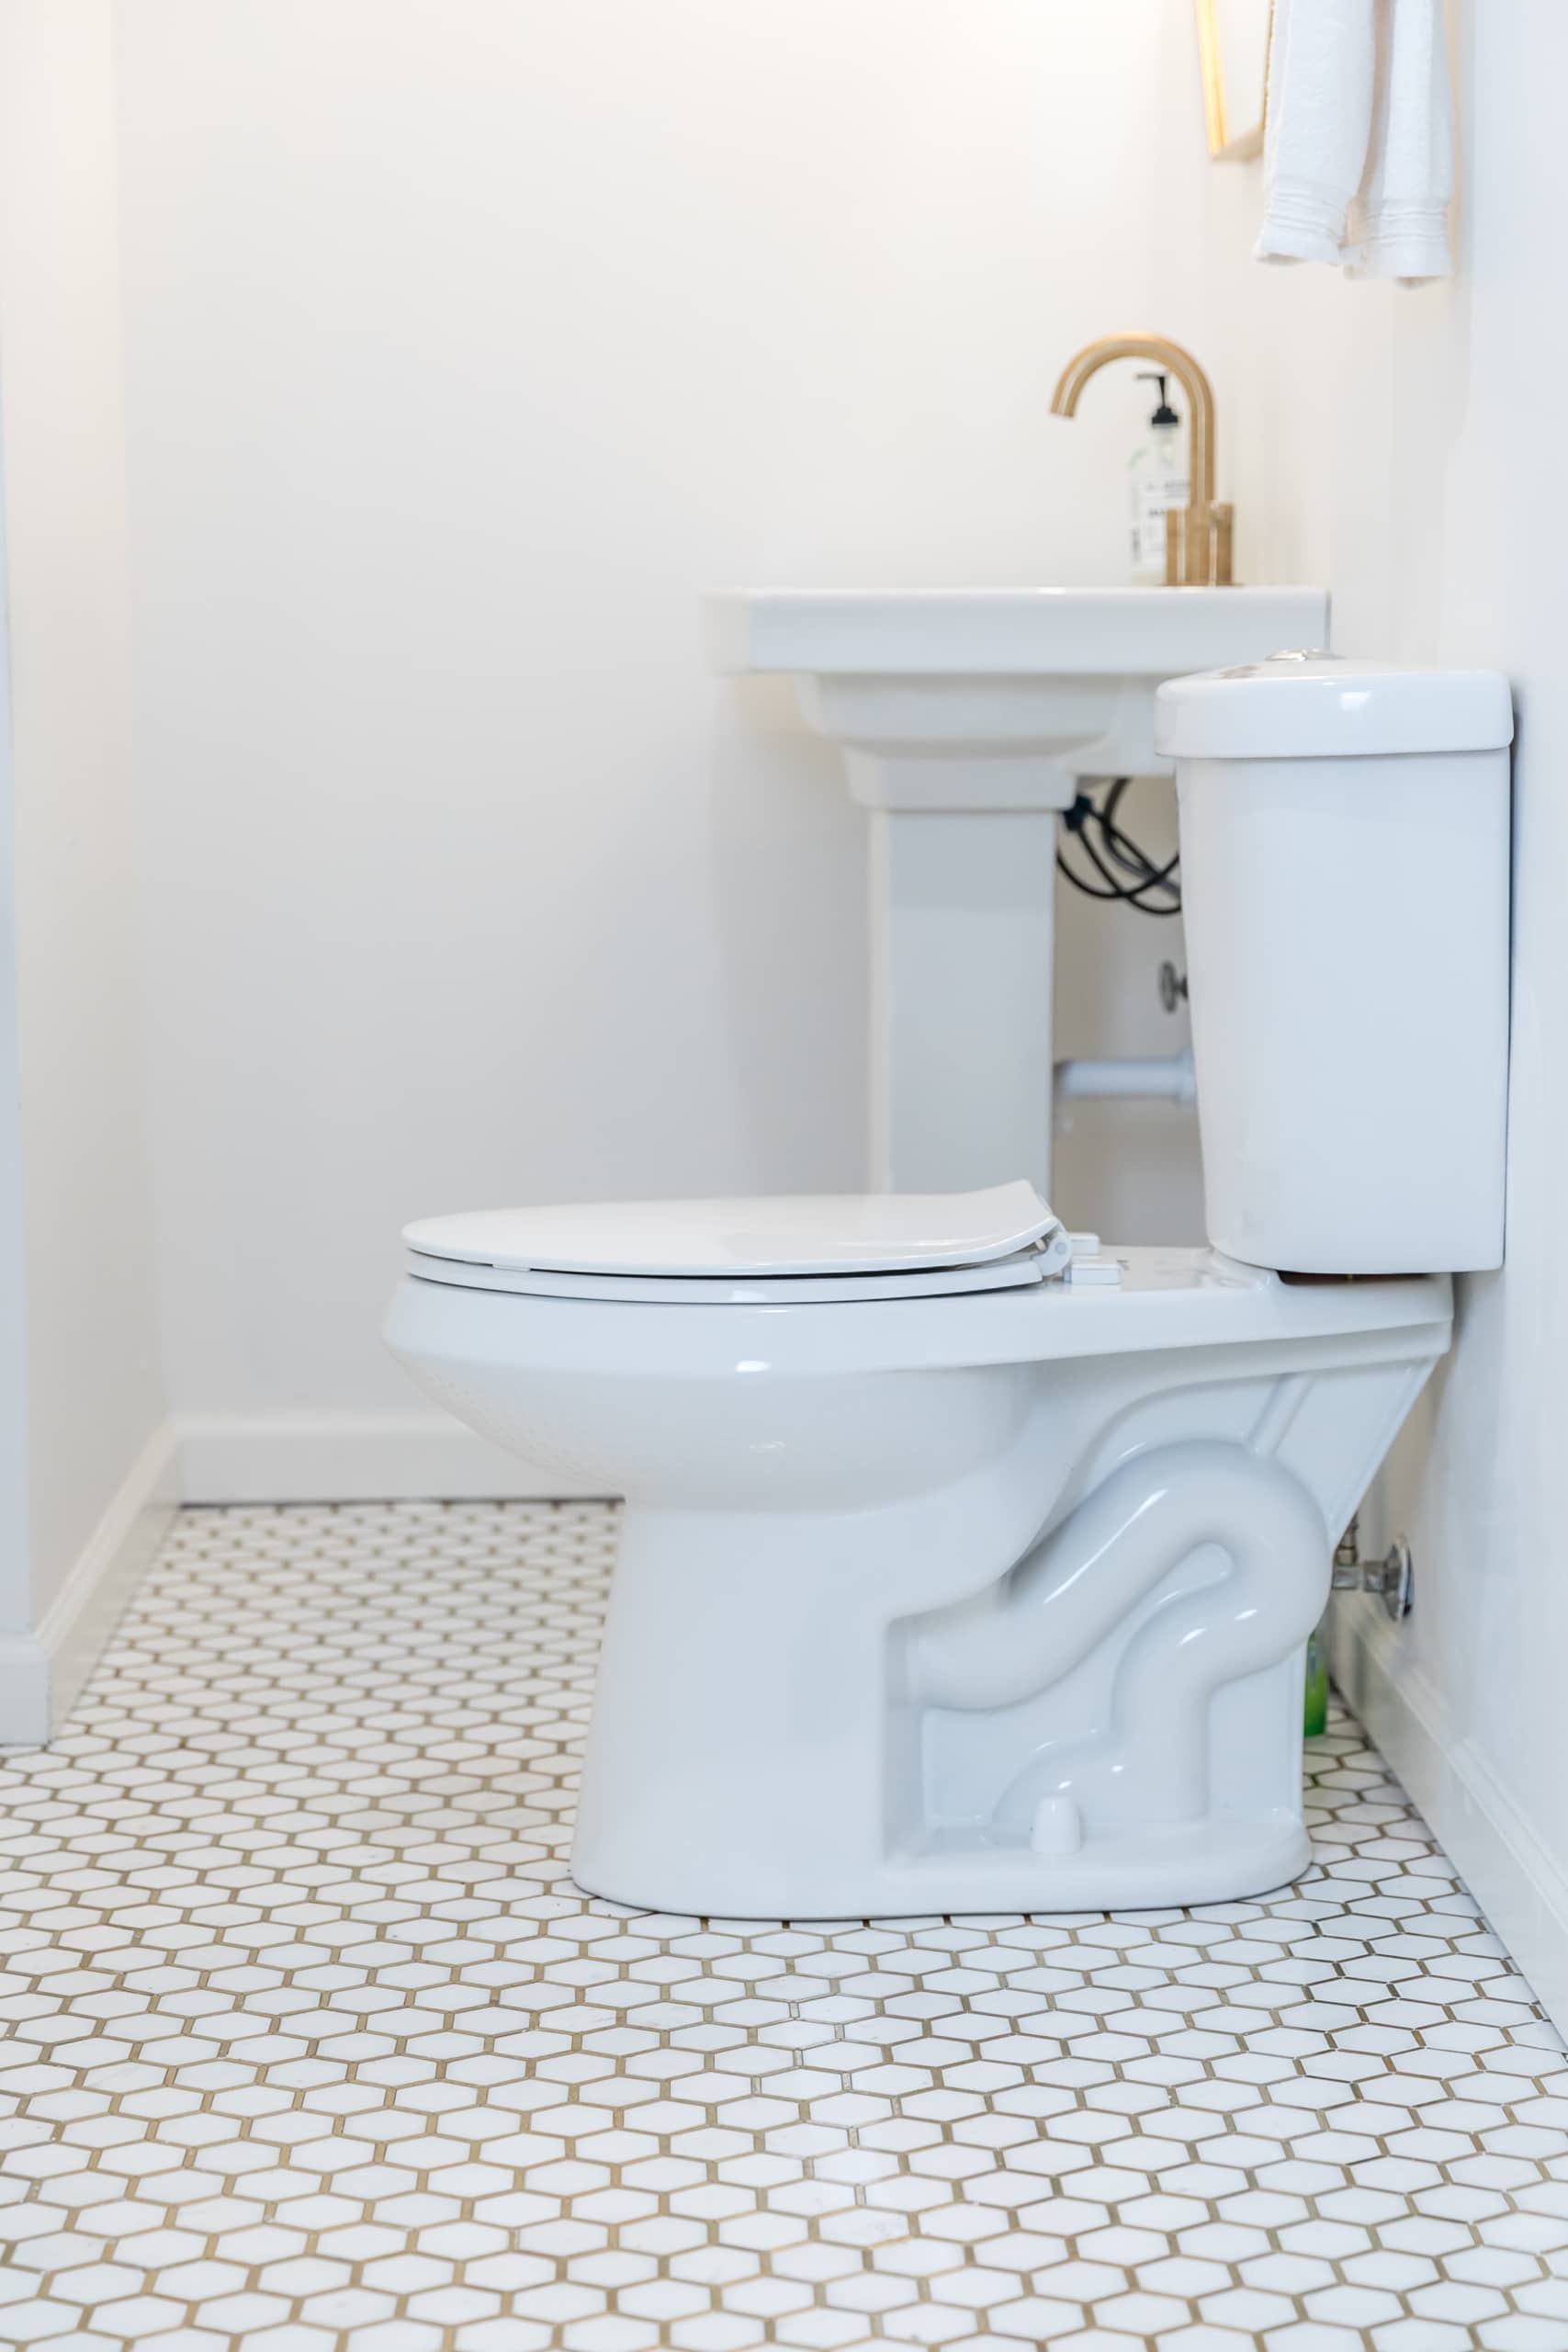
1392 1577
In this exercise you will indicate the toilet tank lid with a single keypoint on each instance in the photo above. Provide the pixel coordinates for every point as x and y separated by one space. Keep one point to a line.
1315 706
807 1233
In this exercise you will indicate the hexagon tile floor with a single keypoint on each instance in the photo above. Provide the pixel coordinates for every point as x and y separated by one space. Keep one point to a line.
310 2044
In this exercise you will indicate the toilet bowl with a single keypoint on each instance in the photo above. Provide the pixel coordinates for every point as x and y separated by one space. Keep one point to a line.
967 1566
980 1600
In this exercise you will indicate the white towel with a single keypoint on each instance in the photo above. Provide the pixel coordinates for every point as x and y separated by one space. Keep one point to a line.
1358 158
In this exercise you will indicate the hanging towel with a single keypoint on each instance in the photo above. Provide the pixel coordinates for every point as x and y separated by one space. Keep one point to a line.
1358 157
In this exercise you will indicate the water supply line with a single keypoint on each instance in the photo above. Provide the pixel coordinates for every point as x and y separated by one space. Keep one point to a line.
1154 1078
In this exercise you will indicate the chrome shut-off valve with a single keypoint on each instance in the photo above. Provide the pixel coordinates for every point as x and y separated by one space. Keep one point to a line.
1392 1577
1172 987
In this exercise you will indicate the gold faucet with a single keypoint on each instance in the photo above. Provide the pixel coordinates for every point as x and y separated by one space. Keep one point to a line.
1197 536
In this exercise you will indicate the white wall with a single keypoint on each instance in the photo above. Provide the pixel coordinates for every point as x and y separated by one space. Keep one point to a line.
86 1453
464 347
16 1549
1402 445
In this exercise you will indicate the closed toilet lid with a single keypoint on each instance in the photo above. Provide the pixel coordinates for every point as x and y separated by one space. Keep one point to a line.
857 1235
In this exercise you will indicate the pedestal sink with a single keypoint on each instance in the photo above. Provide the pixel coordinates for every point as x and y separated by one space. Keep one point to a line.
967 718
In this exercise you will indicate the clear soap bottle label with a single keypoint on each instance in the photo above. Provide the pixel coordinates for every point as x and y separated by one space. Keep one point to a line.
1157 478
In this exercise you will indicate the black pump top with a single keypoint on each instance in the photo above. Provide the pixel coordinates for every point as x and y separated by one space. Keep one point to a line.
1163 413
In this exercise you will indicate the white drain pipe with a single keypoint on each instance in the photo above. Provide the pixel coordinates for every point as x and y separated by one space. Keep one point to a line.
1155 1078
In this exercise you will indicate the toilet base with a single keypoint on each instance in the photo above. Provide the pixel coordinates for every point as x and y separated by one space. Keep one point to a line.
1163 1867
955 1605
1111 1724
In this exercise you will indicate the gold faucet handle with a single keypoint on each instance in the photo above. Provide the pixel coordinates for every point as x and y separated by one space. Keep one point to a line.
1197 545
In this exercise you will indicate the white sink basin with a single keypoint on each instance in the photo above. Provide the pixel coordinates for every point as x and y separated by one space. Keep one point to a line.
987 632
996 698
968 718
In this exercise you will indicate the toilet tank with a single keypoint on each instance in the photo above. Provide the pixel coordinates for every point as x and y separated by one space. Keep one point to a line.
1345 895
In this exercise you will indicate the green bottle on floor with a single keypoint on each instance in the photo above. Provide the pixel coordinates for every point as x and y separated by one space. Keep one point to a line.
1315 1718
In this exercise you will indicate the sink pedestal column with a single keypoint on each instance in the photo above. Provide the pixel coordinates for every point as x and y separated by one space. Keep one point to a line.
963 784
967 717
962 944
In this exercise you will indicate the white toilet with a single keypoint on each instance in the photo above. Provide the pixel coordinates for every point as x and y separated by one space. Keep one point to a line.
967 1566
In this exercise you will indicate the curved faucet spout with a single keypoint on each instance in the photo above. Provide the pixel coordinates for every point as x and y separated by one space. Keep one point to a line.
1197 544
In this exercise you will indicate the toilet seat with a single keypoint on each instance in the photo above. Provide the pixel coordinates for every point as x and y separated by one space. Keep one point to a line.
779 1290
801 1250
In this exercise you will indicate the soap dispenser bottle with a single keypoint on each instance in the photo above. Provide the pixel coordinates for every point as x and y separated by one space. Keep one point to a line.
1157 475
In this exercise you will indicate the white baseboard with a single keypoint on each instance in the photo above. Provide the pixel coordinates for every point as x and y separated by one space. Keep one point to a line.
353 1457
43 1671
1518 1887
